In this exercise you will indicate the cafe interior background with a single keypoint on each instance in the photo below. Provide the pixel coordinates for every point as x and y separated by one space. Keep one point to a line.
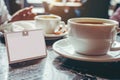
66 9
73 8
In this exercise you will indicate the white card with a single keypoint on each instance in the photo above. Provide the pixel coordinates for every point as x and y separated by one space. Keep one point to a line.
25 45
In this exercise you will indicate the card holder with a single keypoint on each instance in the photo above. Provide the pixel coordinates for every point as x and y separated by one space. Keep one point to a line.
25 45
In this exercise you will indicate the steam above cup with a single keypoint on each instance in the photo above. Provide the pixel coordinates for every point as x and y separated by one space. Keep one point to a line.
92 36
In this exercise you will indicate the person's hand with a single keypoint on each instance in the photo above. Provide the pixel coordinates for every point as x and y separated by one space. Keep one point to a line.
23 14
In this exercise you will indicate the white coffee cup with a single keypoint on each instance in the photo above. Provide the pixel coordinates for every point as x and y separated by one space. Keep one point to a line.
92 36
49 23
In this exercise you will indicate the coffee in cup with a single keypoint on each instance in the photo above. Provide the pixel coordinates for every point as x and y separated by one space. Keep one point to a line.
92 36
48 23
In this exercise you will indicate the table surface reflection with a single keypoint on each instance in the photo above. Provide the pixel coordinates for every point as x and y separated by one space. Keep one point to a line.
56 67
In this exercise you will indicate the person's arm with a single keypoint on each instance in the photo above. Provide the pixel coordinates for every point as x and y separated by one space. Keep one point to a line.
116 15
4 14
22 14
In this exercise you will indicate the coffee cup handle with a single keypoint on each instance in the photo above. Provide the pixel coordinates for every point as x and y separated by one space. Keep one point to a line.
115 48
61 27
62 24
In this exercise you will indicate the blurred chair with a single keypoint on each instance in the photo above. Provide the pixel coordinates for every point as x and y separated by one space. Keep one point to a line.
66 10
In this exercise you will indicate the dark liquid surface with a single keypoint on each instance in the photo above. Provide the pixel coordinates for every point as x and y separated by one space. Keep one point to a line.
91 22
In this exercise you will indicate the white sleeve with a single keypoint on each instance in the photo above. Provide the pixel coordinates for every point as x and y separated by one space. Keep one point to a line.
3 12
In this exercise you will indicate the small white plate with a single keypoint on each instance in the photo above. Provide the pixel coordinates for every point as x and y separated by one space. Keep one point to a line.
65 49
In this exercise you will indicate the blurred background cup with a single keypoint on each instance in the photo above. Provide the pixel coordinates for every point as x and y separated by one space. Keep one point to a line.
48 23
92 36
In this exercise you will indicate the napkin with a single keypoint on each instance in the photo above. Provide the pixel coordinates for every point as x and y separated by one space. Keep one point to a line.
22 25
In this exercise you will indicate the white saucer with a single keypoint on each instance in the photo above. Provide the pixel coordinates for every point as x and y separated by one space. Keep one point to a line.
65 49
54 36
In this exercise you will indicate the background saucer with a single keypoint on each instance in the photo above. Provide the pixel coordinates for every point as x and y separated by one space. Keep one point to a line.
54 36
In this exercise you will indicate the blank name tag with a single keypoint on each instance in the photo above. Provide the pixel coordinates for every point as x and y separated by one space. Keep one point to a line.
25 45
